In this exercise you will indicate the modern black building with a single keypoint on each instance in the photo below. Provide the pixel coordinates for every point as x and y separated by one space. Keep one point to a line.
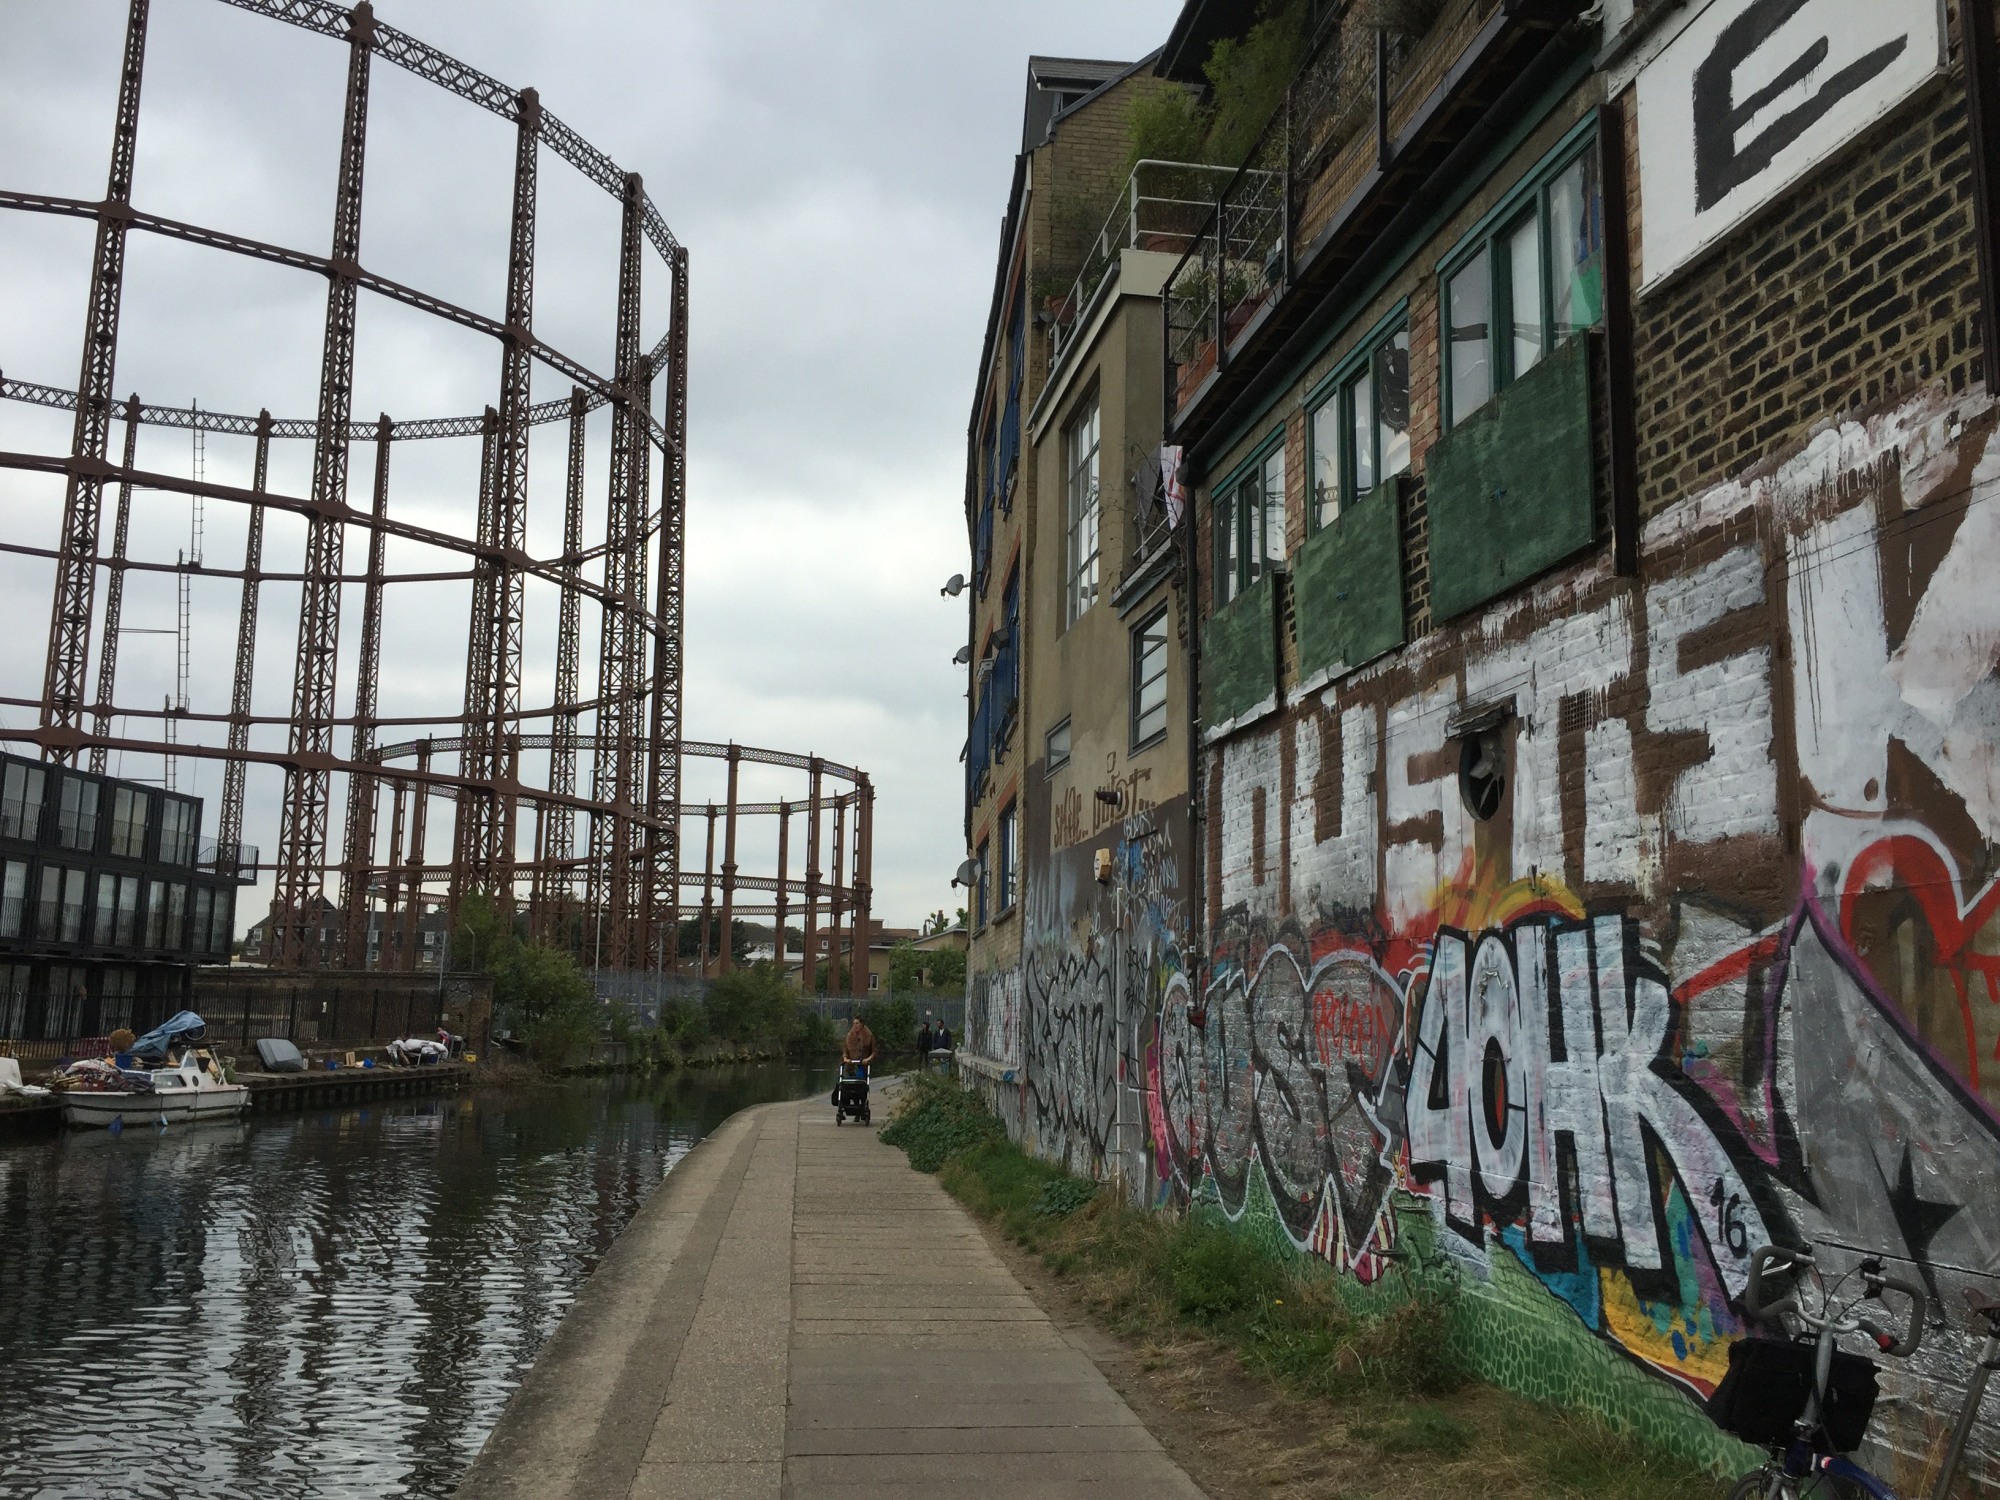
108 899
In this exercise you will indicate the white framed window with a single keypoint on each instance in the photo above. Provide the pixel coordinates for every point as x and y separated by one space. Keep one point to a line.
1250 524
1010 853
1056 747
1084 513
1149 679
1360 434
1525 284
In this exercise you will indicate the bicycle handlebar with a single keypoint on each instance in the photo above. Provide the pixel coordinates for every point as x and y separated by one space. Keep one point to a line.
1919 1306
1777 1257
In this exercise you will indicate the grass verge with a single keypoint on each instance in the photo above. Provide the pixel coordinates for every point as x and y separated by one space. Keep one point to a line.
1320 1400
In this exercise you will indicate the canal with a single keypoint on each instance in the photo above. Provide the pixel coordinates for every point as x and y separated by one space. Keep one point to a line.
335 1303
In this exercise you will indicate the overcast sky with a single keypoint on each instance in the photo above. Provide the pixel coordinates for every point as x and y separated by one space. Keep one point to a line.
838 173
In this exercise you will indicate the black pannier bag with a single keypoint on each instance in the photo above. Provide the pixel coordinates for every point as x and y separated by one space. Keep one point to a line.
1764 1394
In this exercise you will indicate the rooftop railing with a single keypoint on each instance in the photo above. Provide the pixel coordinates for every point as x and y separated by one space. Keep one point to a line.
1369 68
1162 207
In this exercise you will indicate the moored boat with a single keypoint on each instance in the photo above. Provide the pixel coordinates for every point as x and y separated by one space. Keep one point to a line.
98 1108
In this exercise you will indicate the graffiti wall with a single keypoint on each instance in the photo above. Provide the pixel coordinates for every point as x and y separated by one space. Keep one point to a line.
1721 968
1060 1039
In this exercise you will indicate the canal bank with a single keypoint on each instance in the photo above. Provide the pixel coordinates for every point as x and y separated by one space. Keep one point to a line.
329 1301
796 1313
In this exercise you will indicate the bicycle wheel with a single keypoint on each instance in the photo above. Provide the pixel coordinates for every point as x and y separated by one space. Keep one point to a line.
1769 1483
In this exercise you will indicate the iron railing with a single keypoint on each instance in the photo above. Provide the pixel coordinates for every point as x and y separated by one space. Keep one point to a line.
1162 207
1368 66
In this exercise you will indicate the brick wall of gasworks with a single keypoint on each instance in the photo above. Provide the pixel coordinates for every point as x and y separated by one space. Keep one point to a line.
1714 971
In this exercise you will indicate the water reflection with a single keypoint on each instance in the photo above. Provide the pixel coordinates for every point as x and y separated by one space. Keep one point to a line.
334 1304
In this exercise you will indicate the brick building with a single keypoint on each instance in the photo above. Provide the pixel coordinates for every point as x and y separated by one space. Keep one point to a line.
1589 418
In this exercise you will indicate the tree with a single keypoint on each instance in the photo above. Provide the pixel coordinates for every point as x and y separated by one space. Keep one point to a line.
914 970
546 997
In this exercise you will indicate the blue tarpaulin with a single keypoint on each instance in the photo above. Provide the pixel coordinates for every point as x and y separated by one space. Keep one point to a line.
183 1027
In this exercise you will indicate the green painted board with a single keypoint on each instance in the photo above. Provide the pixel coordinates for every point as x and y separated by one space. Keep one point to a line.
1239 660
1348 585
1510 487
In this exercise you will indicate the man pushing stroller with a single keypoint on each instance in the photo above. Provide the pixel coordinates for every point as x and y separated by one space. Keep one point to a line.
857 1058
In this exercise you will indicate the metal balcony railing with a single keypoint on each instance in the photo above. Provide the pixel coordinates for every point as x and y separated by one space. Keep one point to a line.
1163 207
236 861
1369 67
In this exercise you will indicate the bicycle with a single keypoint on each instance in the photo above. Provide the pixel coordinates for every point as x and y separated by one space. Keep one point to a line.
1808 1405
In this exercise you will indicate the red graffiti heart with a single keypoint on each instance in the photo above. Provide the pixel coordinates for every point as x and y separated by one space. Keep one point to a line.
1911 865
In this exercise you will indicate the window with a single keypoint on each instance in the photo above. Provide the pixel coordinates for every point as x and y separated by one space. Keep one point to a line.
1057 747
76 815
979 886
127 931
874 981
21 801
131 810
225 920
60 918
177 915
1529 280
204 911
1361 433
156 914
13 1000
1250 525
65 1011
13 903
1080 460
179 825
1149 679
1010 846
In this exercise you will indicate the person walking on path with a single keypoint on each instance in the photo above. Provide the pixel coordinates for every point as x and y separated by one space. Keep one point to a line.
924 1042
859 1047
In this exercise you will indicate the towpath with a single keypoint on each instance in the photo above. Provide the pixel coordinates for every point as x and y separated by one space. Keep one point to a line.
795 1313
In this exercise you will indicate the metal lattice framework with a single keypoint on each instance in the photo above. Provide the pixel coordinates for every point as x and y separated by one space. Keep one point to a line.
627 887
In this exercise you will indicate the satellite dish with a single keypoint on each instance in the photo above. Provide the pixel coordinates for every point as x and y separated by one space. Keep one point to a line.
954 586
968 873
964 655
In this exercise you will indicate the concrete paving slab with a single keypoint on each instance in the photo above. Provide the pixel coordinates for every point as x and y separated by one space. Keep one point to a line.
796 1315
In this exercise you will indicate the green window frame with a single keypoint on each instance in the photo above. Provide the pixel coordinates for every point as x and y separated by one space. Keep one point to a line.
1526 278
1249 511
1358 421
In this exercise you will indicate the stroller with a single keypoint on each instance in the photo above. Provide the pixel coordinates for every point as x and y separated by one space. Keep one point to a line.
850 1094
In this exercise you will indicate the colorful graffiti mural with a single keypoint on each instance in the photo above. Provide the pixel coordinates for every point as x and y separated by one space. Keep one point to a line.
1725 968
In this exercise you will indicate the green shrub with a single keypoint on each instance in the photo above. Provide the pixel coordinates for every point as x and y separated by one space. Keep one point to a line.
1063 1196
935 1120
1216 1274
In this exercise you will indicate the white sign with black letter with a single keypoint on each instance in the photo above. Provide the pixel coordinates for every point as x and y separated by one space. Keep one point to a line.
1755 93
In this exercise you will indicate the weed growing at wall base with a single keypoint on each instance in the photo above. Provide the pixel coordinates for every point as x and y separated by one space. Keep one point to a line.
1382 1385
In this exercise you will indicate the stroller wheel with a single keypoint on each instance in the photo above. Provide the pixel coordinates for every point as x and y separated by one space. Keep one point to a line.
839 1118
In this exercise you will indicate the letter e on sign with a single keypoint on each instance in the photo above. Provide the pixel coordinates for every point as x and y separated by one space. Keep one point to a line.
1753 94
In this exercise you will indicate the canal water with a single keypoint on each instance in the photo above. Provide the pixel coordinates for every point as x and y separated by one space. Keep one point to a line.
335 1303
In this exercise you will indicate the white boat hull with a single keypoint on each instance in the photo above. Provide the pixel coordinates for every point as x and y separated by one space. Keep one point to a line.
98 1110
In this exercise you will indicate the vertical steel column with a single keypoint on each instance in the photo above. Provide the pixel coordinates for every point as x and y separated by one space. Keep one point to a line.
308 770
114 592
229 825
707 894
812 877
555 844
357 864
663 769
778 949
617 678
475 749
394 955
1982 119
728 960
66 676
493 674
833 899
420 807
864 839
